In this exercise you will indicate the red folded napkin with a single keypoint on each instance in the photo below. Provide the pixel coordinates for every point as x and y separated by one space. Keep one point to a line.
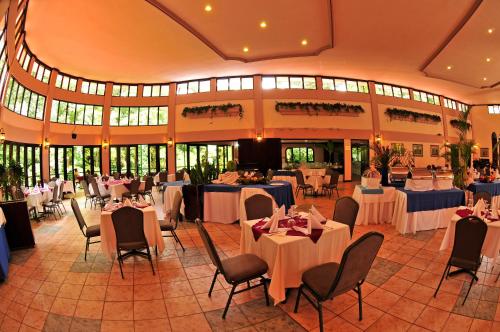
467 212
283 223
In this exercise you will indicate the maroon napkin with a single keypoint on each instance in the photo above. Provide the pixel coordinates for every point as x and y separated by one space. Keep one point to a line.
127 185
314 236
467 212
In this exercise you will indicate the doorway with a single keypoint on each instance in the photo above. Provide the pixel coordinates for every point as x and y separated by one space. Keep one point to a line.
360 152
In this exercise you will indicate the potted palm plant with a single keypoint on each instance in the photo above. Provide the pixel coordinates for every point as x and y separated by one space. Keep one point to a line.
383 159
201 174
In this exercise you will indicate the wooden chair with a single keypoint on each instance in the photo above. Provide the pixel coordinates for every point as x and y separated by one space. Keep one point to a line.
88 231
258 206
174 218
346 211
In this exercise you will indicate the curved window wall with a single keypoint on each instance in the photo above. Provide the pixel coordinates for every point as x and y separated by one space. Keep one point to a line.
66 82
139 116
124 90
93 88
79 114
28 155
155 90
142 159
24 101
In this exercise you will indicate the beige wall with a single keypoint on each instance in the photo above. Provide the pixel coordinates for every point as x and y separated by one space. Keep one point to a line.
483 125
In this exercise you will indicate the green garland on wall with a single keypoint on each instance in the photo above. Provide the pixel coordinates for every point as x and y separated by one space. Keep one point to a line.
455 123
311 108
212 109
411 116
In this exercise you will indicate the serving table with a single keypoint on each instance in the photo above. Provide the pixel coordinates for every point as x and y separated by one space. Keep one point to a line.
151 230
289 256
493 188
491 245
376 206
285 175
425 210
222 202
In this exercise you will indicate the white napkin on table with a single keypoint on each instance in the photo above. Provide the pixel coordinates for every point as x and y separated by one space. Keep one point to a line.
141 199
127 202
272 224
478 208
494 213
316 214
313 222
108 206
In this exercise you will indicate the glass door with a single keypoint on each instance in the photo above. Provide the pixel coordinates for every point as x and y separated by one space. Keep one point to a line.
360 158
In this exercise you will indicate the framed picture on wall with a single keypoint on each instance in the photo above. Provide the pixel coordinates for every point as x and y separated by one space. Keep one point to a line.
418 150
399 147
484 153
434 150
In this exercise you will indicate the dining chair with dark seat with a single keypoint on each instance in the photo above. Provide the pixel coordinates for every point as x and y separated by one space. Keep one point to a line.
301 183
236 270
270 174
470 233
133 190
88 195
129 229
346 211
99 198
171 225
50 207
148 189
59 199
333 184
258 206
326 281
163 176
486 196
179 175
88 231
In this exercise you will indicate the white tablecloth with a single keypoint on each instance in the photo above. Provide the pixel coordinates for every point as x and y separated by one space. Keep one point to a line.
68 187
375 208
168 198
411 222
2 218
170 178
151 230
37 199
291 179
491 245
317 181
289 256
221 207
249 192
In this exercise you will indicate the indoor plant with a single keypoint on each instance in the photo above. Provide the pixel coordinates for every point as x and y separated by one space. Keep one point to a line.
383 159
201 174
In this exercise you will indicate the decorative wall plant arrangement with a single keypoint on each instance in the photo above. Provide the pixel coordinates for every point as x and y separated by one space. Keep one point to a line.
298 108
213 111
455 123
405 115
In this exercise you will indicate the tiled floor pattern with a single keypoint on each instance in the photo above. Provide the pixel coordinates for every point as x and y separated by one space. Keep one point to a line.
52 288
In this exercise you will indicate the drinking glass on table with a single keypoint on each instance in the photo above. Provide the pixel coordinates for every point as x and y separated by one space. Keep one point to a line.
470 203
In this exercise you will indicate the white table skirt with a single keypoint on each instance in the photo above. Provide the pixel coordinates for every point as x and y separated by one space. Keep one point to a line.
411 222
37 199
151 230
168 198
221 207
317 181
289 256
491 245
249 192
291 179
375 208
68 187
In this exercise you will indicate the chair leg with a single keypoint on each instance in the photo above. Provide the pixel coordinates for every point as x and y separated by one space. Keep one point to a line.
150 260
228 301
177 239
264 284
445 272
119 257
470 286
213 283
360 303
320 314
86 248
298 300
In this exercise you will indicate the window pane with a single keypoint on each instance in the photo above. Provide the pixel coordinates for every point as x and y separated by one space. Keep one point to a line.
156 91
416 95
89 110
85 87
132 91
363 87
80 110
134 116
58 81
352 86
71 113
164 90
340 85
379 89
234 83
146 91
53 112
296 83
193 87
405 93
123 116
153 116
222 84
124 91
143 116
72 84
115 112
247 83
268 83
205 86
63 106
282 82
181 88
116 90
387 90
93 88
163 115
97 115
397 91
33 105
310 83
327 85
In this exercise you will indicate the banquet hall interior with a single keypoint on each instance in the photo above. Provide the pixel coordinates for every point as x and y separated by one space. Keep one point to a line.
217 165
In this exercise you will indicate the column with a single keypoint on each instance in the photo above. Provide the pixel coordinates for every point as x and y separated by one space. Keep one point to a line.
106 135
171 127
347 160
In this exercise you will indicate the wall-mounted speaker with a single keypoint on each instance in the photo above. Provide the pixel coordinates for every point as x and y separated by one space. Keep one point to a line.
73 135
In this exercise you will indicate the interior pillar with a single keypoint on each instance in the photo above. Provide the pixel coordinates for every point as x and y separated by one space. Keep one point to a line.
347 160
171 128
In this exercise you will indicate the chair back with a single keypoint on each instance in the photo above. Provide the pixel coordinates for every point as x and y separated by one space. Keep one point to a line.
163 177
469 237
179 175
148 186
16 192
95 188
270 174
61 191
346 211
356 263
129 228
486 196
134 186
300 177
78 215
175 213
85 187
116 176
104 178
334 178
55 194
209 245
258 206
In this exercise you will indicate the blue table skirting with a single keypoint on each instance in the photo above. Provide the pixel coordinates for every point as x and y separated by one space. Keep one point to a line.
284 173
371 191
174 183
396 184
4 255
283 195
492 188
433 200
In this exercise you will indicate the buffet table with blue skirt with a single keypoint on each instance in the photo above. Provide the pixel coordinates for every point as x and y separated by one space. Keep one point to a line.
222 202
4 255
425 210
493 188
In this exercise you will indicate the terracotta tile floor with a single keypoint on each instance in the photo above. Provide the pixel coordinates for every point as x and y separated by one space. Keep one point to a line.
52 288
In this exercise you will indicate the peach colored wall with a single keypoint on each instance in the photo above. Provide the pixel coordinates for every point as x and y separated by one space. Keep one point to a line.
394 125
483 124
19 128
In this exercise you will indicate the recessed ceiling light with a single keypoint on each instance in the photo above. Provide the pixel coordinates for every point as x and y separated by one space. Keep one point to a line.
449 67
208 8
488 59
304 42
245 49
263 24
485 78
490 30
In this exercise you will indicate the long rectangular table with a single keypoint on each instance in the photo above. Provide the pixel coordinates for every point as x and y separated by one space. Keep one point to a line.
374 207
493 188
425 210
289 256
